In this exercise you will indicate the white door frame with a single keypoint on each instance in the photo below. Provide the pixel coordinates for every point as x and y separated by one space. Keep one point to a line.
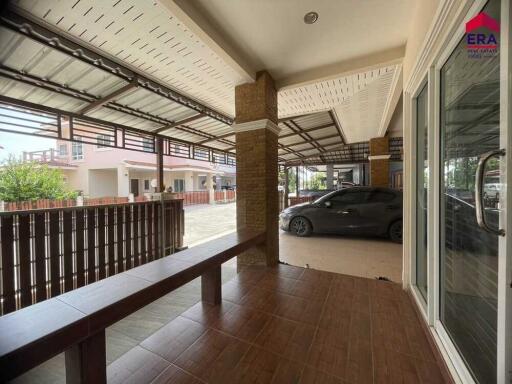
440 42
504 316
505 245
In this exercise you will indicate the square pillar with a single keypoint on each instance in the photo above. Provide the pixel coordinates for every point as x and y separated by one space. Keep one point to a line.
189 181
379 162
329 176
256 131
209 187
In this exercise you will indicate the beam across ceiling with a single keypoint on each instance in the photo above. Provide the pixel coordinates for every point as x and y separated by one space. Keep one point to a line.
111 96
178 123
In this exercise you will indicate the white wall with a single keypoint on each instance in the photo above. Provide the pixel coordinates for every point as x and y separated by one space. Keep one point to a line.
422 19
102 182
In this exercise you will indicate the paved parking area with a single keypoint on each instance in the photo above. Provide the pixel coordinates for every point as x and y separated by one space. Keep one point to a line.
205 222
364 257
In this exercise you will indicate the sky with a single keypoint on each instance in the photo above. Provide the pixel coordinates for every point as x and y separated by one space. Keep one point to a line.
19 120
13 143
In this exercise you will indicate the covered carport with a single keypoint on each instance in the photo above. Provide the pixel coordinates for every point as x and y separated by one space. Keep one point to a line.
371 257
81 93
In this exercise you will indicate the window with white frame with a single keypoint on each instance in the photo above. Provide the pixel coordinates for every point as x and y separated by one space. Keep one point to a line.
147 185
63 149
179 185
77 149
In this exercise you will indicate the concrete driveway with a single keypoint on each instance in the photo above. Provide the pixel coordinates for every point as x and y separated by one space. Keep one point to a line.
356 256
365 257
206 222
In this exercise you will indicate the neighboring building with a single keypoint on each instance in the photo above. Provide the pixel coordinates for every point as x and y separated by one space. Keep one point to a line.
99 171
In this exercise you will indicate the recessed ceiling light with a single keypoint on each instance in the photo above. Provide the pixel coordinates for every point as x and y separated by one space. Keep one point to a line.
310 17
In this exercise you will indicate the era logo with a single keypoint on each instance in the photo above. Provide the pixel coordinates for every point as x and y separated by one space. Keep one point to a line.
481 44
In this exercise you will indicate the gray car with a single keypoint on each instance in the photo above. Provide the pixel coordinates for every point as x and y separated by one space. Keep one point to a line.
356 211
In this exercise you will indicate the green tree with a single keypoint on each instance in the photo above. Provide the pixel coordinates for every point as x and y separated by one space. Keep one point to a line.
291 179
24 181
317 181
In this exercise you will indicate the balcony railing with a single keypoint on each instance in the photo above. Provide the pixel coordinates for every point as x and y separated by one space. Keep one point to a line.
46 252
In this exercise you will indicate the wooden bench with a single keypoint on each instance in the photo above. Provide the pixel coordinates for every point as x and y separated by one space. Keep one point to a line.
75 322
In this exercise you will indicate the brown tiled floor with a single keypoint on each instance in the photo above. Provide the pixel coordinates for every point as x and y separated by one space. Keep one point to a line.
289 325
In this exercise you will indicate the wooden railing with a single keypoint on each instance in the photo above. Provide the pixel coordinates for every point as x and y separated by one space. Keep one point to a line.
194 197
225 196
301 199
47 252
75 322
65 203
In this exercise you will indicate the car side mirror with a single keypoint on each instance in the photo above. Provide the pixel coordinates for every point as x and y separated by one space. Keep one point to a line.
327 204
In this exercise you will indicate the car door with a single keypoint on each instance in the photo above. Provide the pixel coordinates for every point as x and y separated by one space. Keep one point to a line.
382 207
343 214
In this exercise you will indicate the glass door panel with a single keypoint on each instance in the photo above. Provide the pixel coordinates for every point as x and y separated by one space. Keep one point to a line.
470 105
421 191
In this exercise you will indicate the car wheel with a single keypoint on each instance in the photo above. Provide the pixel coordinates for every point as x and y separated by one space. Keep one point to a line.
395 232
301 226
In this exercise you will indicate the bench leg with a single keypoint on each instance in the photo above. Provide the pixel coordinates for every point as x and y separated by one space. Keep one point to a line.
86 362
211 286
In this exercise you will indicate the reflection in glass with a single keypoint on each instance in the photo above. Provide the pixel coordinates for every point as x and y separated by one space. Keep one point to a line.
421 191
469 262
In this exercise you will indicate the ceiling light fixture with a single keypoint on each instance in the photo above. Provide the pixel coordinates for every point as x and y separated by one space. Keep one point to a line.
310 17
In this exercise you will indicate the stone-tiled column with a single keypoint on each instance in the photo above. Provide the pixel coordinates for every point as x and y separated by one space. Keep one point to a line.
379 162
256 166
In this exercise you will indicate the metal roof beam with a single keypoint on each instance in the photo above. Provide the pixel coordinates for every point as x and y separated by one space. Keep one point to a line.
178 123
60 112
83 96
307 130
340 131
111 96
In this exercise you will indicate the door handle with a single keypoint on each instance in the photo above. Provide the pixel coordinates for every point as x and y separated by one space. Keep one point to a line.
346 211
479 185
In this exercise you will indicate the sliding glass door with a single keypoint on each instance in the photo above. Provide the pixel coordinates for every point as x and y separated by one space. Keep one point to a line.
421 190
470 132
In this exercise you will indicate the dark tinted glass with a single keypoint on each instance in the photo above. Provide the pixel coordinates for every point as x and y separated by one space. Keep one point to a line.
350 197
381 197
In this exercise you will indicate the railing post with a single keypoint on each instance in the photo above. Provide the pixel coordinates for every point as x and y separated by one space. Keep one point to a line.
86 361
211 286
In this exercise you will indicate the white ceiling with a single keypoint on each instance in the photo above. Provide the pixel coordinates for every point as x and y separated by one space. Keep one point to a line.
272 35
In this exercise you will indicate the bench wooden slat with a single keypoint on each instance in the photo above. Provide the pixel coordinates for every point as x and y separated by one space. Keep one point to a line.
143 226
136 255
120 239
80 225
35 334
101 244
110 242
54 237
24 257
68 249
128 237
9 302
40 255
40 331
91 245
